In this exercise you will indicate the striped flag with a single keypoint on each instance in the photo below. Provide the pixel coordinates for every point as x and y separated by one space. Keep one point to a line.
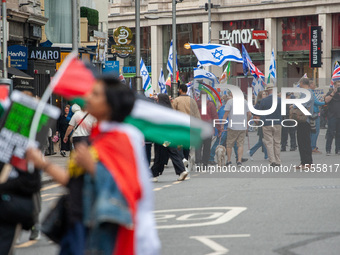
170 60
226 74
121 77
257 85
146 79
272 69
160 124
205 76
168 80
161 82
336 74
215 54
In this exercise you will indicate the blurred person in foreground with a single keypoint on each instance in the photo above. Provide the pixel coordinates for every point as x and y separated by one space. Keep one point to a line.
112 168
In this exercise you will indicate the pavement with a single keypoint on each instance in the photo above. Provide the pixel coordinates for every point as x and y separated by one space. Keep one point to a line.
211 214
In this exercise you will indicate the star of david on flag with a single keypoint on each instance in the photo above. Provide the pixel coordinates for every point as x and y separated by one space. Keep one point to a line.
146 79
215 54
170 58
161 83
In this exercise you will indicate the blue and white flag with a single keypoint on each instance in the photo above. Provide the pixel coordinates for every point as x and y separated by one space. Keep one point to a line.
170 60
245 57
257 85
146 79
216 54
272 69
161 82
200 73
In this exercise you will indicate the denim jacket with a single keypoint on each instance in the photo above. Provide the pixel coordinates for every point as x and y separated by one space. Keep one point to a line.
103 201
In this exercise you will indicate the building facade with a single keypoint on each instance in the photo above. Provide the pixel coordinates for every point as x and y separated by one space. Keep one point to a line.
287 24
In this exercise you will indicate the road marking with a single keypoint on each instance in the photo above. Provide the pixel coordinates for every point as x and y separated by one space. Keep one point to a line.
217 248
50 187
157 189
227 214
166 186
176 182
26 244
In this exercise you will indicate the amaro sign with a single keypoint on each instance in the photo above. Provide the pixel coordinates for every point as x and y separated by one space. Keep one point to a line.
238 36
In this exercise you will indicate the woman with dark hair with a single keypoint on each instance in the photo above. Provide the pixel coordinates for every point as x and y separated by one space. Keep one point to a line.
163 152
109 192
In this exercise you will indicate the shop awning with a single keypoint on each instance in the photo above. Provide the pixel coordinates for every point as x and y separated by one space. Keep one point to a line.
16 72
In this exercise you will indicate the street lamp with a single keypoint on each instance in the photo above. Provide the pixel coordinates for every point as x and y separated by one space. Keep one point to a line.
137 25
174 49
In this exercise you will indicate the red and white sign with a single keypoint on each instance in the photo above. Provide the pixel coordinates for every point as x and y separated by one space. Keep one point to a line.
260 34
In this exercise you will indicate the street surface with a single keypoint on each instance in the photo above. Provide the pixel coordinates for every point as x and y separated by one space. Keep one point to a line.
215 216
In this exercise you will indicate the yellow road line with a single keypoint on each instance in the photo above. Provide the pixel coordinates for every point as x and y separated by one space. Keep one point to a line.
156 189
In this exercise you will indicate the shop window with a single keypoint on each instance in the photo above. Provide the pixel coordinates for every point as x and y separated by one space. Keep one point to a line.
335 32
58 28
295 32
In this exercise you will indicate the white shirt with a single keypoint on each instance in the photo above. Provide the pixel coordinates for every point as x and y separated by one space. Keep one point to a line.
237 122
85 127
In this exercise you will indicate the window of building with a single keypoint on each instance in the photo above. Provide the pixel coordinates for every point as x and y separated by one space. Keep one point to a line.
58 28
293 49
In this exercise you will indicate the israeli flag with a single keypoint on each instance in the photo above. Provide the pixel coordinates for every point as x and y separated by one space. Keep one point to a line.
146 79
257 85
200 73
170 61
216 54
272 68
161 83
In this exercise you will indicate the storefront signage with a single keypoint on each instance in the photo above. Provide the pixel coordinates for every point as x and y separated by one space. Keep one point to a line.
259 34
48 53
111 67
123 37
132 69
238 36
18 56
315 46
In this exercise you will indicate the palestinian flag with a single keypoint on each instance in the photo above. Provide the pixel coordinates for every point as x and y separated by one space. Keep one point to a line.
4 99
158 123
73 79
120 152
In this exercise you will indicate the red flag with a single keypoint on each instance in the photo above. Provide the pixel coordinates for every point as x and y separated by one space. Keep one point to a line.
75 79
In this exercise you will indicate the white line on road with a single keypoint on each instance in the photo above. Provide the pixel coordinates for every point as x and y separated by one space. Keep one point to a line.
231 212
217 248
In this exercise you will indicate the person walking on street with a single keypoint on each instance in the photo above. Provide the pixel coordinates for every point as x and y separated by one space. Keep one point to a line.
304 130
237 129
203 154
110 197
163 152
184 103
316 118
262 94
332 99
62 125
288 129
272 127
80 126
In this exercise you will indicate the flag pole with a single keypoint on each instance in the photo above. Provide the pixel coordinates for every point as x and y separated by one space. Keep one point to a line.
43 102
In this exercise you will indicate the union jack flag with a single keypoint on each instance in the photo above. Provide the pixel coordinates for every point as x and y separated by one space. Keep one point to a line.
336 74
254 71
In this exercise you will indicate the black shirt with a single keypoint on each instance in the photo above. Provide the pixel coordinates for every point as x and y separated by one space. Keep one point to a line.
334 106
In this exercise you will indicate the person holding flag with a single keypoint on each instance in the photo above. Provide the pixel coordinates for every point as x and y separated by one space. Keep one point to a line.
112 167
